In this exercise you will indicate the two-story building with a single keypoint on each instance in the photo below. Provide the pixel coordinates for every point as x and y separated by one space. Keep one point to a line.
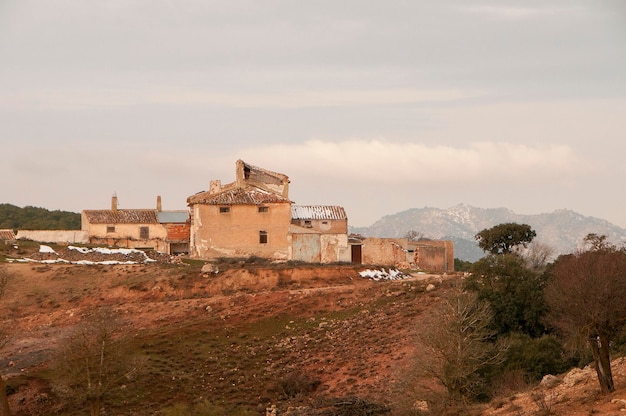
253 216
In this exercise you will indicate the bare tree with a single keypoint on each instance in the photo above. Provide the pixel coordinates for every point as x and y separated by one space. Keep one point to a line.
537 255
585 296
413 235
93 360
459 345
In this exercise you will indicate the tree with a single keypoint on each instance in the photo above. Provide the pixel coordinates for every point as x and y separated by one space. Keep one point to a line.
93 360
585 296
459 344
503 238
538 255
514 292
413 235
597 242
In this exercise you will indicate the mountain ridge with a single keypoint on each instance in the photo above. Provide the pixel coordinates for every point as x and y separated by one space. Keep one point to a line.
562 229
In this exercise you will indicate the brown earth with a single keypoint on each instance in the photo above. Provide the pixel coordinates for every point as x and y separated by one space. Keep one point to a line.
244 336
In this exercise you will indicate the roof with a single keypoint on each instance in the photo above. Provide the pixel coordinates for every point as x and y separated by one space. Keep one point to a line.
260 175
173 216
317 212
7 235
122 216
237 196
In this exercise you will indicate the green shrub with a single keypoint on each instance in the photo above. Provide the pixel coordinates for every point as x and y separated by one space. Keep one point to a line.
536 356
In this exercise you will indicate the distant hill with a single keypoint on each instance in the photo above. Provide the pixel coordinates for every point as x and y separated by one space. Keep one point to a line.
563 229
33 218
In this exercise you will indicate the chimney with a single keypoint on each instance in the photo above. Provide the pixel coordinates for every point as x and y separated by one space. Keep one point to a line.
215 186
114 202
159 208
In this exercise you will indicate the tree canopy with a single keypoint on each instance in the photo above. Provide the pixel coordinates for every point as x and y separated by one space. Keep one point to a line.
514 292
503 238
585 297
33 218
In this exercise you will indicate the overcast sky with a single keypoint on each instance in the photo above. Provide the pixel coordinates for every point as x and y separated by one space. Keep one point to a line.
377 106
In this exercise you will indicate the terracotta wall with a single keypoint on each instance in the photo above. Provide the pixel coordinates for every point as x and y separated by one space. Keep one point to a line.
236 233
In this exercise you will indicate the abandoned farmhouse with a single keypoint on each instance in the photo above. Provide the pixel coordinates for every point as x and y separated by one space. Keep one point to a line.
252 216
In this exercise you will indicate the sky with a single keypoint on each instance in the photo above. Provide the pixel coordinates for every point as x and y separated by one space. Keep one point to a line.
377 106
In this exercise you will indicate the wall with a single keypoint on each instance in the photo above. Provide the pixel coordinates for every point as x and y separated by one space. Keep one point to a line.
320 248
384 251
128 236
54 236
325 226
236 233
432 255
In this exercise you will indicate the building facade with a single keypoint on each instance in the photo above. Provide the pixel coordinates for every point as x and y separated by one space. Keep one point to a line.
163 231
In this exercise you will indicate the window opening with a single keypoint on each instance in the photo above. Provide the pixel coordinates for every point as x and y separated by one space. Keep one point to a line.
263 237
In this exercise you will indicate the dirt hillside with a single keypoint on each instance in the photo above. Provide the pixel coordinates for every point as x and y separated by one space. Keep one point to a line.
248 337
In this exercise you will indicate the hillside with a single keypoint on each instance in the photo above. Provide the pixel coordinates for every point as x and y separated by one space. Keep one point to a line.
33 218
563 230
312 340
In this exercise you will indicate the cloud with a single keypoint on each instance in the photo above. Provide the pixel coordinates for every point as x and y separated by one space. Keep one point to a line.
501 12
90 98
387 162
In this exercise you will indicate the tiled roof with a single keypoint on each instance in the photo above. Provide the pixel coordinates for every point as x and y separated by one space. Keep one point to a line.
7 235
237 196
317 212
122 216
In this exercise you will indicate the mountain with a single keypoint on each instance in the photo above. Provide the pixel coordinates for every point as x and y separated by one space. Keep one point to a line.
562 229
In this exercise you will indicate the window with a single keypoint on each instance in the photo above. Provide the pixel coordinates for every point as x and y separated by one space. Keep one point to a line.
264 209
324 222
224 210
110 228
308 224
144 233
263 237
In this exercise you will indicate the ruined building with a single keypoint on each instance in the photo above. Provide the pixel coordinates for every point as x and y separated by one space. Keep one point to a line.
253 216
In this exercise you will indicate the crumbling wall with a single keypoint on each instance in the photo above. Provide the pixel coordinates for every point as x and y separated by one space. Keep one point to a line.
54 236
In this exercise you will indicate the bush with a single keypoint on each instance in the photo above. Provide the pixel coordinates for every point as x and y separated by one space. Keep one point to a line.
536 356
298 382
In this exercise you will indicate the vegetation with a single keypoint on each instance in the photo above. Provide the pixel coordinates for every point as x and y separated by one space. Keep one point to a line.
503 238
32 218
460 353
93 361
586 299
514 292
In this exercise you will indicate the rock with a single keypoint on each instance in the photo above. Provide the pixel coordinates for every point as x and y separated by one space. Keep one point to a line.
550 381
208 269
575 376
430 287
421 406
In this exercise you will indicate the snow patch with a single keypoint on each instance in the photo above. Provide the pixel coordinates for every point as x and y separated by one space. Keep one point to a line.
46 249
382 274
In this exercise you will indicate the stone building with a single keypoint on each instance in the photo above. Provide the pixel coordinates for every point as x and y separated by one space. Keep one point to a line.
164 231
254 216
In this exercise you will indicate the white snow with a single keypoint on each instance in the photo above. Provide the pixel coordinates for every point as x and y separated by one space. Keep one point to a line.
46 249
382 274
86 250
